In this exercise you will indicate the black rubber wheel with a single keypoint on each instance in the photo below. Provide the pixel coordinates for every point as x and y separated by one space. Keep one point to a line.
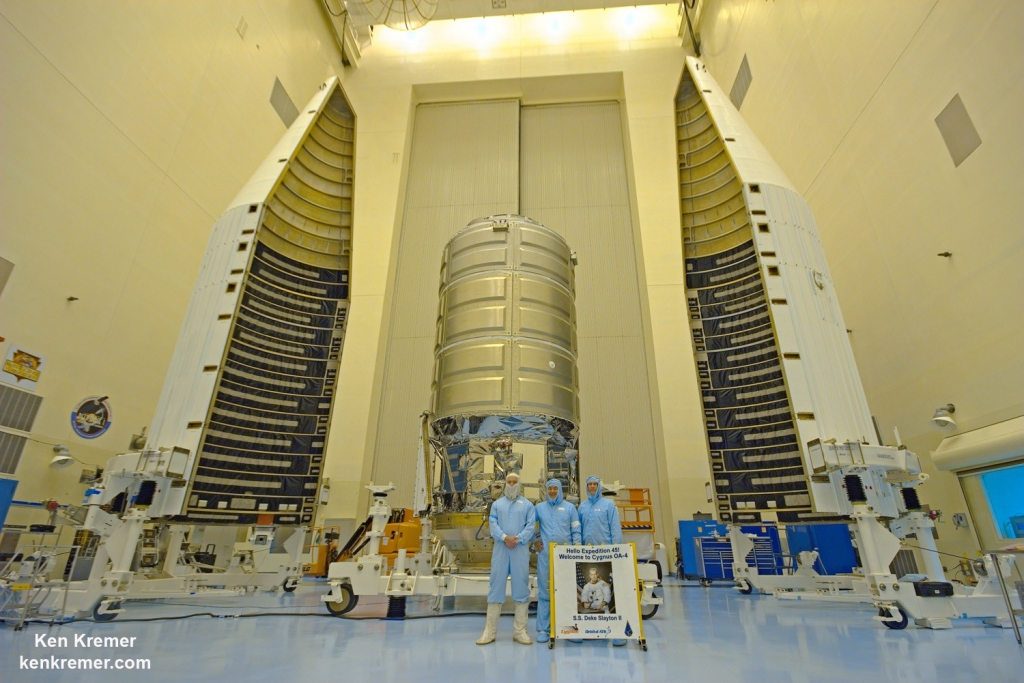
348 601
105 616
643 645
705 583
551 644
291 588
653 610
532 609
745 587
895 625
657 565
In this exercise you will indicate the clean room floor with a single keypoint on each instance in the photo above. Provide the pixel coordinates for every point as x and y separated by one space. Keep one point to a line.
700 634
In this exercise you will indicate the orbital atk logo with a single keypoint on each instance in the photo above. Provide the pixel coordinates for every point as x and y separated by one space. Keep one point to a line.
91 417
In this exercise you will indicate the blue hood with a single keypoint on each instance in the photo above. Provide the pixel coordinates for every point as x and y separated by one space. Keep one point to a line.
558 499
597 496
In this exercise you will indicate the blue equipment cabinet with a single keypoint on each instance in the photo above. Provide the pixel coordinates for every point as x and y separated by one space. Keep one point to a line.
689 530
7 487
832 541
714 557
707 554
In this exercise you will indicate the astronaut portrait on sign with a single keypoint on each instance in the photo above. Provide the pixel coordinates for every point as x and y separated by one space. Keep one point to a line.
595 593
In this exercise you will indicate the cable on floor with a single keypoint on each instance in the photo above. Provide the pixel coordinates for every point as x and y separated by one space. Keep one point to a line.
259 614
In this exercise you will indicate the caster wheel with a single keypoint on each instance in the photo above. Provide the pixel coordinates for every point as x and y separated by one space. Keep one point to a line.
105 616
551 645
289 587
895 625
745 587
651 611
348 601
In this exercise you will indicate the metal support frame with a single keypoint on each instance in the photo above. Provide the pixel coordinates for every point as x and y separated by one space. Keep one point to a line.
416 574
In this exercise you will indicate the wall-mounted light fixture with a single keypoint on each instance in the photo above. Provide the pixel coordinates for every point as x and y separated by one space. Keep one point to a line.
943 417
62 458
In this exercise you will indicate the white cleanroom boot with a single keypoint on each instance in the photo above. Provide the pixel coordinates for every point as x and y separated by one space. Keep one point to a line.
519 633
491 627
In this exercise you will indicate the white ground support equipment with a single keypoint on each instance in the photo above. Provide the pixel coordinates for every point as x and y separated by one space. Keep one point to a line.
419 574
126 506
873 483
804 576
240 431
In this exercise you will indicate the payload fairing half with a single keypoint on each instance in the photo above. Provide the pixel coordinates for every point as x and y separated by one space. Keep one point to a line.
246 407
774 364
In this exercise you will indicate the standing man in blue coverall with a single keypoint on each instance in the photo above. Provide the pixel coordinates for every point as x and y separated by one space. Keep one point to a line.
512 524
600 519
559 523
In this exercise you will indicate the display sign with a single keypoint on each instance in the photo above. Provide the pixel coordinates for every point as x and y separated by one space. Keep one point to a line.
595 592
21 368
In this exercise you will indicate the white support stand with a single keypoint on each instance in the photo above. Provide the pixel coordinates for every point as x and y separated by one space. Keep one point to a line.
898 602
921 526
415 574
867 484
804 578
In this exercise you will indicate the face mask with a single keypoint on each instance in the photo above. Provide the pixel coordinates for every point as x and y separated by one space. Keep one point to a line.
512 490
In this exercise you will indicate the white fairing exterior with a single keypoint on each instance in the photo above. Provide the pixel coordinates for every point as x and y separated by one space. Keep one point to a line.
824 380
188 390
825 390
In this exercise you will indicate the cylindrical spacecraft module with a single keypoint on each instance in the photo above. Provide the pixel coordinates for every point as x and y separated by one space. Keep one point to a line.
505 392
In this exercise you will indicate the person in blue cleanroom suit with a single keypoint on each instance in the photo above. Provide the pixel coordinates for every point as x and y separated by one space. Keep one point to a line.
599 516
600 519
512 524
559 523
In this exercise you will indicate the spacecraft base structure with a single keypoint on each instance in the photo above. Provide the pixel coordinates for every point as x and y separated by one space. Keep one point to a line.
420 573
789 433
505 398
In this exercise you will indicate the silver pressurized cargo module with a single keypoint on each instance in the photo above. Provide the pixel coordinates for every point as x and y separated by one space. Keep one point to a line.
505 375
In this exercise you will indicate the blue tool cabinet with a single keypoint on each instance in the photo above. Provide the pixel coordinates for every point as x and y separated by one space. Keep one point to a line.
707 553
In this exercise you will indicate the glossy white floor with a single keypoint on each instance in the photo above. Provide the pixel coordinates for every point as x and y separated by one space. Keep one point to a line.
701 634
